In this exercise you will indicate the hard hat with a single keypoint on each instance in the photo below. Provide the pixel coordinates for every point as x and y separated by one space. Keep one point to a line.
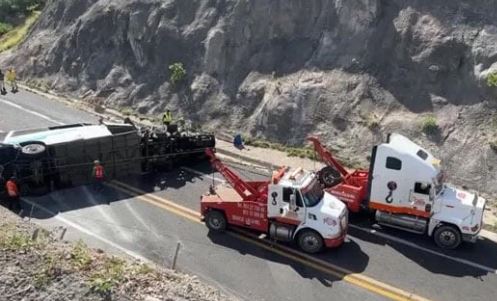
96 162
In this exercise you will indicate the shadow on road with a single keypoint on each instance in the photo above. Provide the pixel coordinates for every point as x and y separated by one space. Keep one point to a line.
80 197
349 248
481 253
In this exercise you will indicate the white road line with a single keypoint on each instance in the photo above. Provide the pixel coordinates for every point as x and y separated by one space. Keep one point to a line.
30 111
198 173
90 233
414 246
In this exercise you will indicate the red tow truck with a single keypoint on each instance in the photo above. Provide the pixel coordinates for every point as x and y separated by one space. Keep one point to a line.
405 189
291 207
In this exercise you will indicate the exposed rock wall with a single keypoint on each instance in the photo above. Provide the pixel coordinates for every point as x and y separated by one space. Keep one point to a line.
281 69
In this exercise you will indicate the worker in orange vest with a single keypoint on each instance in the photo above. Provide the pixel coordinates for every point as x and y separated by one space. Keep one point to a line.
98 175
13 194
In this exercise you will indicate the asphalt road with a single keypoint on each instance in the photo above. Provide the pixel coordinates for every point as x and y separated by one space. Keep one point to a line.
122 222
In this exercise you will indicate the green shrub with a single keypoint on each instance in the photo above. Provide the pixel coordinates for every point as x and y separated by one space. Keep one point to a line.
492 79
13 8
13 240
178 73
17 34
5 27
108 277
429 125
142 269
80 256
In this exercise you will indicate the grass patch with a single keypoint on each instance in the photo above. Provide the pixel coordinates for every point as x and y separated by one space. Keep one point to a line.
47 272
492 80
111 274
80 256
143 269
17 35
4 28
13 240
429 125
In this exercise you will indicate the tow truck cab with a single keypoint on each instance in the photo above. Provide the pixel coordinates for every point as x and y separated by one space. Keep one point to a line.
298 199
407 190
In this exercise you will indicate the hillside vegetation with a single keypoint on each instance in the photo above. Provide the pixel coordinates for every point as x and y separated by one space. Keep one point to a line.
13 12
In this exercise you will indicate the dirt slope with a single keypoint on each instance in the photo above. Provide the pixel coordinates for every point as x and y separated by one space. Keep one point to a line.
37 266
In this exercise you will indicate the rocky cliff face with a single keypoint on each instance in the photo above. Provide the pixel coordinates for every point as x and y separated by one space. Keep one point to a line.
281 69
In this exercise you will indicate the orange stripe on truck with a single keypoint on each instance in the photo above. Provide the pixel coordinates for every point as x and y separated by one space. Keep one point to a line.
398 210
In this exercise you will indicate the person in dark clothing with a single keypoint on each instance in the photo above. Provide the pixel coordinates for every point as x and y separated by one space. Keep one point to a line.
3 91
238 142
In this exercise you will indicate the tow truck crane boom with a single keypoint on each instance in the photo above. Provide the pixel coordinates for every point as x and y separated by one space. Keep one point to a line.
253 191
327 157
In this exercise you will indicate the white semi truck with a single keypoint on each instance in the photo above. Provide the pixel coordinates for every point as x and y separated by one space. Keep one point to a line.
405 188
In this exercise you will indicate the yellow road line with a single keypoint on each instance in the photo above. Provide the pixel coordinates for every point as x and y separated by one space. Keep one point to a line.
159 199
347 275
356 279
162 204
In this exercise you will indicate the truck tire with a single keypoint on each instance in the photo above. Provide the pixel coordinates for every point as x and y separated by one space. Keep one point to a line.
447 237
215 221
329 176
33 149
310 241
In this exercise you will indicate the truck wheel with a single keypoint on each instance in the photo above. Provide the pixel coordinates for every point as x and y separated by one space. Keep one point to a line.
33 148
329 176
215 221
447 237
310 241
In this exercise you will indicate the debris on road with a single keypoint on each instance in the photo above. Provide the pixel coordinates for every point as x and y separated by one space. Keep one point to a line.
36 266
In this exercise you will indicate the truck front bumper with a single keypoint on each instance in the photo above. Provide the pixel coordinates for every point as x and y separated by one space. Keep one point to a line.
470 237
335 242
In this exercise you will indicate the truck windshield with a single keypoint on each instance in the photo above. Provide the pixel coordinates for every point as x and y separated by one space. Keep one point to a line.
312 194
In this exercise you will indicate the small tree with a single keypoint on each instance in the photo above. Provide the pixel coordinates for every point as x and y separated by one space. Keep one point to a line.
178 73
492 79
429 125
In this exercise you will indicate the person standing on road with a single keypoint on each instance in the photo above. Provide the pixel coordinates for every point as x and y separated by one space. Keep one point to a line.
13 194
12 79
98 175
2 84
167 118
